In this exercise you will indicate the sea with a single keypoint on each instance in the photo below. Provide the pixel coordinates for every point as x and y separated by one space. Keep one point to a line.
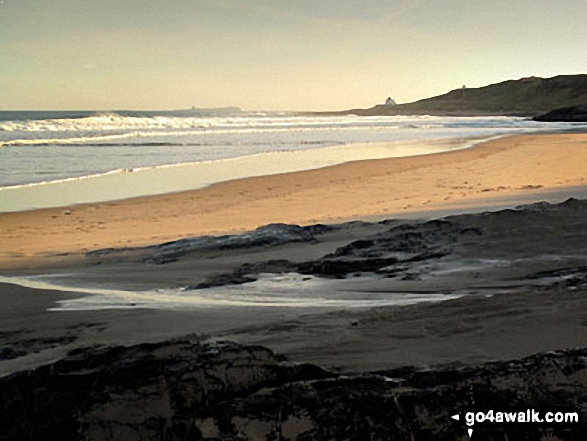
53 158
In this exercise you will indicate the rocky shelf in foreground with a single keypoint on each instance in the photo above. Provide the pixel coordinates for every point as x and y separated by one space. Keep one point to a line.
188 390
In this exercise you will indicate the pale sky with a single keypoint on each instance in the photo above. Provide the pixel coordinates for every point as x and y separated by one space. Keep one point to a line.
275 54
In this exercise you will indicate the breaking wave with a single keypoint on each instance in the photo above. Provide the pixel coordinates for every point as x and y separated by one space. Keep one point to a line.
77 145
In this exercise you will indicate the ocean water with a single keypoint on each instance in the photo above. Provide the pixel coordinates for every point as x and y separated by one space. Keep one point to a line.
56 149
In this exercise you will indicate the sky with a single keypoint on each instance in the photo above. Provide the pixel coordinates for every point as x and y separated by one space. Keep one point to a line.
275 54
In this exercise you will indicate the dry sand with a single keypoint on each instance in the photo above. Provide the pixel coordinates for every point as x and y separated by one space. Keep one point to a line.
502 173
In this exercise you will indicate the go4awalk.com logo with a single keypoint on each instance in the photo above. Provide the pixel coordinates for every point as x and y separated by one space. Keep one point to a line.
518 418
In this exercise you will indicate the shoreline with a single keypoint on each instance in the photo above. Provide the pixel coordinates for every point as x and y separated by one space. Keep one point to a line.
134 182
123 184
515 170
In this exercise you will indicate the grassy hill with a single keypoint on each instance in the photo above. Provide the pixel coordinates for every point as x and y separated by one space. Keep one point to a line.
525 97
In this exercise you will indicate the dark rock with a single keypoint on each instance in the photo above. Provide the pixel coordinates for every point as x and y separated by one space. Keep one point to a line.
385 253
382 253
568 114
15 348
265 236
570 278
246 273
559 273
341 268
185 390
406 238
222 280
149 391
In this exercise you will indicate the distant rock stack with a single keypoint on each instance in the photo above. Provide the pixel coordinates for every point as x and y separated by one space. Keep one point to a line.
390 102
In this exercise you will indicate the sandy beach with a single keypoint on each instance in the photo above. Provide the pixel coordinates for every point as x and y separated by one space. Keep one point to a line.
501 173
455 278
498 174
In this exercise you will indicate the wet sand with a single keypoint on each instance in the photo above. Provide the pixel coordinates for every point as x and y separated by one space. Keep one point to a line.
501 173
463 331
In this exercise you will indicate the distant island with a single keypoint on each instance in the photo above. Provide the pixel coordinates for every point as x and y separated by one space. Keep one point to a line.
191 112
195 109
530 96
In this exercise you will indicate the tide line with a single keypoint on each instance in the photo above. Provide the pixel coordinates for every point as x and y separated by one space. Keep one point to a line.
121 184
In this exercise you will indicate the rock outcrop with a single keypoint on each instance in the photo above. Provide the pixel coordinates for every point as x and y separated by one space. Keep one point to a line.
150 391
568 114
389 249
390 252
400 251
186 390
265 236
